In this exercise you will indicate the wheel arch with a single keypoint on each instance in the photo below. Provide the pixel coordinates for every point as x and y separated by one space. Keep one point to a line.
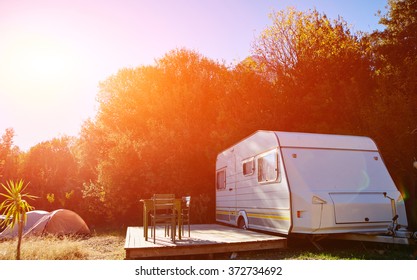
242 216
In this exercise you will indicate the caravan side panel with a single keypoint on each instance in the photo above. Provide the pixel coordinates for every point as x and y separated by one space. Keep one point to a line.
262 202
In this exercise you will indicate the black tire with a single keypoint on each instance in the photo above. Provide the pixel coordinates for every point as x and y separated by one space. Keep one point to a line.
241 223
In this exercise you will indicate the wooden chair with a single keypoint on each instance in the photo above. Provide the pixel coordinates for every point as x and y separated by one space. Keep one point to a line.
185 213
163 213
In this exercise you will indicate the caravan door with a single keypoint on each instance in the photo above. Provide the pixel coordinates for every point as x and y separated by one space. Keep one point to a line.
226 189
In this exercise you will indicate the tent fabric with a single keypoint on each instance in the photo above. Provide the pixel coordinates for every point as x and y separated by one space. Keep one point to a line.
2 218
58 222
31 218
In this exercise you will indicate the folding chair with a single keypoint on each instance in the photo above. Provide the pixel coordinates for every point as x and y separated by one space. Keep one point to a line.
185 213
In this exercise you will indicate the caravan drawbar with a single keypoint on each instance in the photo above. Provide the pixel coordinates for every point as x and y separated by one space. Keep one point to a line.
304 183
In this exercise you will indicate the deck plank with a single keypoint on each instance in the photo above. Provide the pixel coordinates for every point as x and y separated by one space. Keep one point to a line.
205 239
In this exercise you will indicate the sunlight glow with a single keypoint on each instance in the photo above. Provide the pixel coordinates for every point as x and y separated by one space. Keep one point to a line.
44 85
38 68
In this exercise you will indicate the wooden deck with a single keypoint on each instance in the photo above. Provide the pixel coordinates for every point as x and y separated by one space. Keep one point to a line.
205 239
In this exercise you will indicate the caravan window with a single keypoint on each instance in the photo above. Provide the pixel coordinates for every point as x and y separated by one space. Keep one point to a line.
221 180
248 167
268 167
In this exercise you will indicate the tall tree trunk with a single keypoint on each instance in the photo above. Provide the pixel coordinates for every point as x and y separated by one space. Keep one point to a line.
19 239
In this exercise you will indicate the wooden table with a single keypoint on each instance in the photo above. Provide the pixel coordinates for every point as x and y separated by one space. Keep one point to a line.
148 206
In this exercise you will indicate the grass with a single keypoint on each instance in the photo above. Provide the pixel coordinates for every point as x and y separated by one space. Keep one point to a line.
100 246
107 245
335 250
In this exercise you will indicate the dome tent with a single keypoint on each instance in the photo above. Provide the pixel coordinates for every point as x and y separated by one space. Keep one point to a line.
32 217
58 222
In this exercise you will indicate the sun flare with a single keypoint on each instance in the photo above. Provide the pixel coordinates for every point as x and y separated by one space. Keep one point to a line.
39 67
42 63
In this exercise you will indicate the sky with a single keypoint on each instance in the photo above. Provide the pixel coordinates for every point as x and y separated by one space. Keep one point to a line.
54 53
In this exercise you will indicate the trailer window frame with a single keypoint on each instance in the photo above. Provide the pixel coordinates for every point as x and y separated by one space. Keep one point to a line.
263 172
223 186
248 166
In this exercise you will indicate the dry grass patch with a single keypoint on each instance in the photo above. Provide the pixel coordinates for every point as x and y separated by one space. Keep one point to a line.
44 248
96 247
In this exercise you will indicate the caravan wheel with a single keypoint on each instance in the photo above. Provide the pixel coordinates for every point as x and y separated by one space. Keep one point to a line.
241 223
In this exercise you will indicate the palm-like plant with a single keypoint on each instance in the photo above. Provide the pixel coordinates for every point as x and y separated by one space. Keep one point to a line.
15 207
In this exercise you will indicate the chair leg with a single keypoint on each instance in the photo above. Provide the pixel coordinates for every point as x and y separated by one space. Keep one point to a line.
173 229
154 233
189 228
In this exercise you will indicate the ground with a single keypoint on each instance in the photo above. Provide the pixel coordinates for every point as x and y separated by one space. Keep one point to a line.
110 246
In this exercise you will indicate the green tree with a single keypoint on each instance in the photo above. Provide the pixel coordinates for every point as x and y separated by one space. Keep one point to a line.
394 111
15 207
153 132
397 43
51 167
319 68
10 156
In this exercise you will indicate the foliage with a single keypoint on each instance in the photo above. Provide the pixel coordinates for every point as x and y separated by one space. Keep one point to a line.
9 156
52 169
316 65
395 100
398 41
297 42
152 131
15 207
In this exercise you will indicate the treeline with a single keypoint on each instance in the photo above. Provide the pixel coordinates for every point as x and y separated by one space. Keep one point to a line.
159 127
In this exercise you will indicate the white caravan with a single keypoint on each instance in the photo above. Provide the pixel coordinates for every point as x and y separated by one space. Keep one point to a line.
303 183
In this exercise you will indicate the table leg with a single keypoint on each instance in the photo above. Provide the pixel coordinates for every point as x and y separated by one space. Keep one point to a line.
145 224
179 219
